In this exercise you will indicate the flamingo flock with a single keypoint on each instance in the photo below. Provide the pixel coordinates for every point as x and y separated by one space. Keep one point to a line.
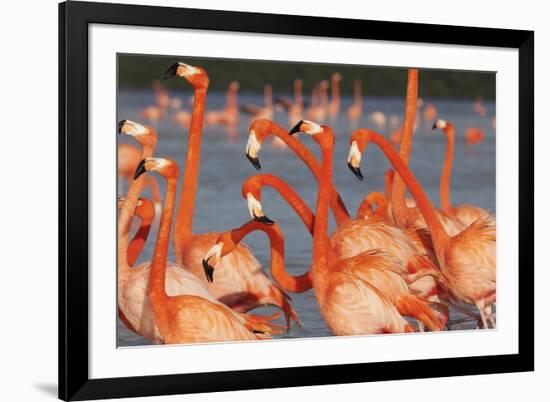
397 265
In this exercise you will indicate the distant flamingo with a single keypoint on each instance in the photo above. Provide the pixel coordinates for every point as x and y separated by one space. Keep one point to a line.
265 112
429 113
379 119
474 136
364 294
145 211
242 283
479 108
155 113
355 111
295 109
404 216
467 259
467 214
334 105
261 129
189 318
229 115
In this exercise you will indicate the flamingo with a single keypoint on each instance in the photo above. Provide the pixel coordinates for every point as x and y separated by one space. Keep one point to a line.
474 136
429 113
334 105
365 294
479 108
316 110
355 111
186 318
466 259
155 113
294 109
407 217
265 112
227 242
365 210
242 285
260 129
134 305
128 158
145 211
229 115
379 119
467 214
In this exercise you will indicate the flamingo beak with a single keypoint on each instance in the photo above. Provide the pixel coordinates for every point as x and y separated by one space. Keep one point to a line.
356 171
434 126
208 270
171 71
296 128
254 161
140 169
264 219
120 125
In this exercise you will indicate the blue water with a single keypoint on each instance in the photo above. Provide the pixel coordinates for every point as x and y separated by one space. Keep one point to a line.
220 206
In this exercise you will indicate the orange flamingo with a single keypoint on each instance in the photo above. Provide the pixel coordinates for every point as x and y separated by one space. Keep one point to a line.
355 111
155 113
242 285
467 214
364 294
334 105
474 136
316 111
429 113
135 308
467 259
227 242
265 112
187 318
145 211
261 129
365 210
407 217
229 115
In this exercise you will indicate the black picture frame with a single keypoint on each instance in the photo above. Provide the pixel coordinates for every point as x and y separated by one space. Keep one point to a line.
74 18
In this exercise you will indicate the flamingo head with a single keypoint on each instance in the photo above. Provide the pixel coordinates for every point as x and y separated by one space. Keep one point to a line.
196 76
145 135
253 198
358 142
166 167
211 259
337 77
322 134
439 123
259 129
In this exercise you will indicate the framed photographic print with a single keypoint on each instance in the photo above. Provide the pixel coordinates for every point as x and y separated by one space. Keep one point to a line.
259 201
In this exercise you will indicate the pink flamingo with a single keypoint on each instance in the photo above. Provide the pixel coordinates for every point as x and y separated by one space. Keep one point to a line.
242 285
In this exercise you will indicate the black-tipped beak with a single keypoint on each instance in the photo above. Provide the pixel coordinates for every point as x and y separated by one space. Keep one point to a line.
208 271
264 219
434 126
356 171
140 169
296 128
120 125
171 71
255 161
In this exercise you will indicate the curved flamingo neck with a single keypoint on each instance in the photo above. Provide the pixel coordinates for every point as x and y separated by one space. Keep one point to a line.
321 243
445 184
138 242
365 209
338 207
439 236
184 220
399 207
125 219
157 281
298 99
291 283
357 93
